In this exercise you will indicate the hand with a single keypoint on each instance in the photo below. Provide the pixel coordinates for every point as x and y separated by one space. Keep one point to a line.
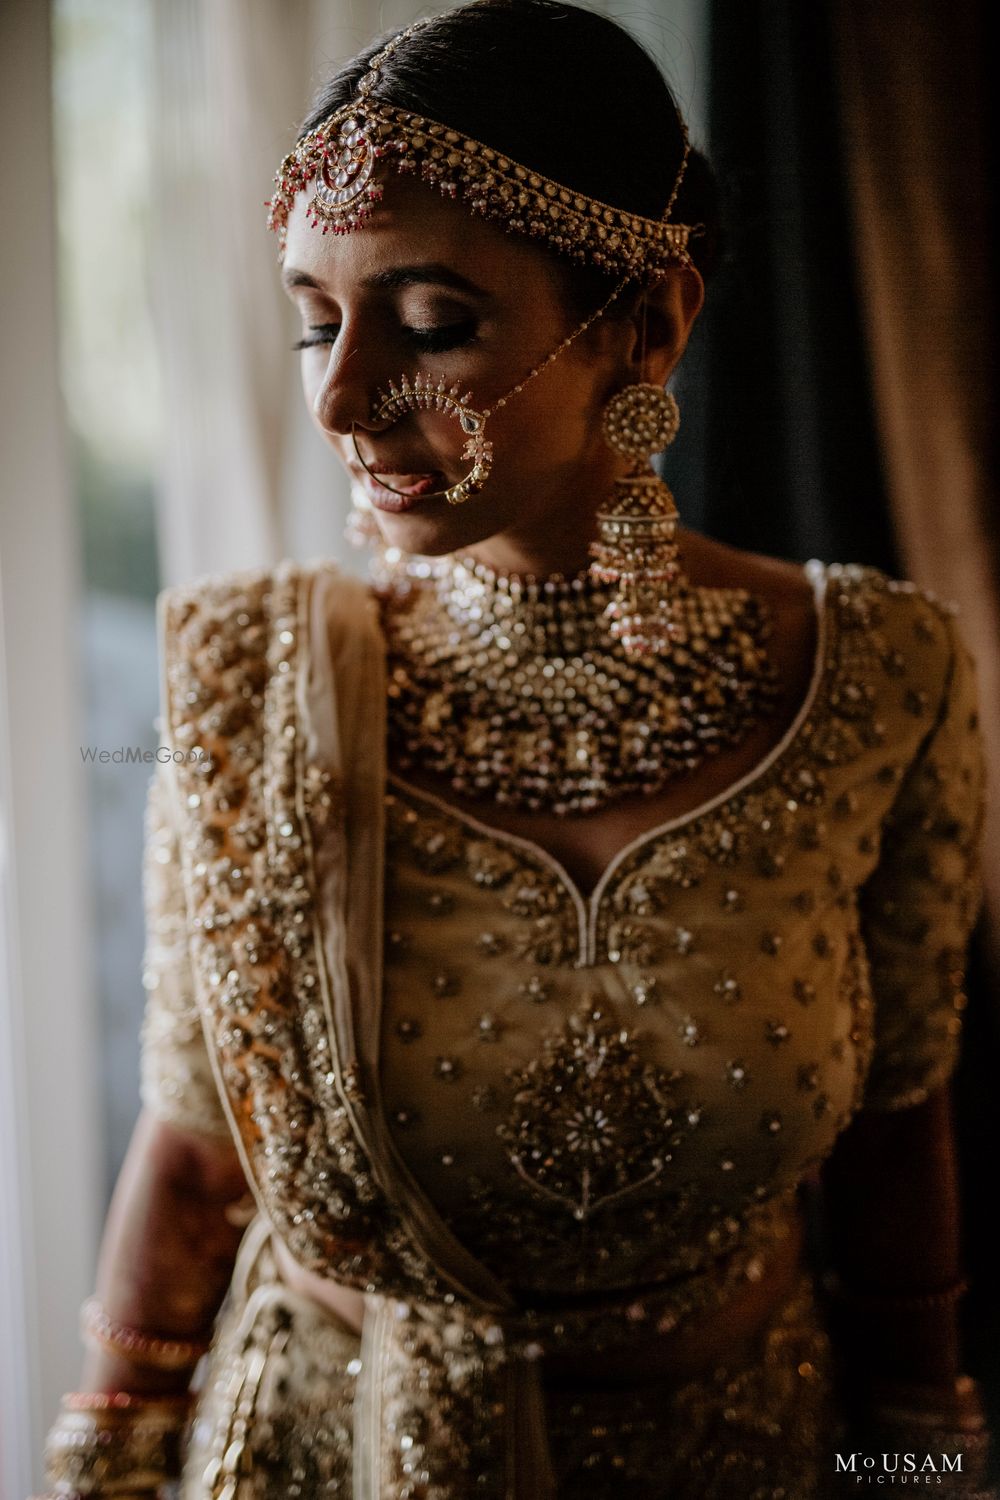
956 1404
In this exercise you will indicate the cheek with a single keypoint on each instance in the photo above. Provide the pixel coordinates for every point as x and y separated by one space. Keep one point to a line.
555 425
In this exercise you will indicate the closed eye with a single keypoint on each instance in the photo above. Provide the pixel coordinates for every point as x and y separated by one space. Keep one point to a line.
322 333
433 340
444 336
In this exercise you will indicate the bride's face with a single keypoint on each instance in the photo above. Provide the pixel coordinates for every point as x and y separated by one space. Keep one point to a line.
426 286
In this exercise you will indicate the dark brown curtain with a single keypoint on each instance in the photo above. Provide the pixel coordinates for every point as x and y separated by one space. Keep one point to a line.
915 115
914 108
838 396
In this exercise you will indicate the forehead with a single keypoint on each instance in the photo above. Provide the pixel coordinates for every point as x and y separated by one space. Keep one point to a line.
414 222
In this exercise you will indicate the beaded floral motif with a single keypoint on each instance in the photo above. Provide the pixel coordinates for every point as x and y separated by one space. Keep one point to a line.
591 1122
591 1127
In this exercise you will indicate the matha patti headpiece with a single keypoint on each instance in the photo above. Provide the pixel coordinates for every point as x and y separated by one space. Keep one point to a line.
346 154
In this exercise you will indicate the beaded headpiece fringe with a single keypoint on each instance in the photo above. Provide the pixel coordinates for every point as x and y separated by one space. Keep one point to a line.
344 154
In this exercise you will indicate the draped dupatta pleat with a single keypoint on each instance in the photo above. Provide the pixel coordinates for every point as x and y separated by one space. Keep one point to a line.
278 678
343 712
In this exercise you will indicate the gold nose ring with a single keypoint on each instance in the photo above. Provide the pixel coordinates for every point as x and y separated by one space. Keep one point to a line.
426 395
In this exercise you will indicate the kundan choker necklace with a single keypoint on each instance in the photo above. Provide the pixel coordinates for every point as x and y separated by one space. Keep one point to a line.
515 689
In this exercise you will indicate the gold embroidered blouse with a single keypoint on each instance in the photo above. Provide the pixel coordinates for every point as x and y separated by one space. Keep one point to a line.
480 1097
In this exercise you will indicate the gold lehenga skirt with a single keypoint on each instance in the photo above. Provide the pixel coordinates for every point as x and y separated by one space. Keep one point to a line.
275 1413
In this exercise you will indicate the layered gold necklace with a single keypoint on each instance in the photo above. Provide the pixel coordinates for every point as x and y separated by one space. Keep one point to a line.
515 689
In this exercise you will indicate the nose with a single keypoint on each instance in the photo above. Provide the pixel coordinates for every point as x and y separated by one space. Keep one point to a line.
345 394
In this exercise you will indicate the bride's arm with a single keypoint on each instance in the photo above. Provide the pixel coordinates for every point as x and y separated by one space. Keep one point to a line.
892 1211
168 1247
891 1183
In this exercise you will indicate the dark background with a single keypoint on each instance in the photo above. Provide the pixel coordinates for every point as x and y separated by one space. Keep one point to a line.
779 448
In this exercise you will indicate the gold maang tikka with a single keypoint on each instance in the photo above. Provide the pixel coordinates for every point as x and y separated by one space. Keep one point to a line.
345 157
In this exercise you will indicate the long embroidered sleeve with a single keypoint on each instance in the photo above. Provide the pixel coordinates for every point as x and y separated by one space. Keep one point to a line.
177 1082
920 903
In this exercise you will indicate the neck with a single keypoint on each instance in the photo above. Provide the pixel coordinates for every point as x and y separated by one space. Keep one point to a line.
462 580
564 553
545 558
554 536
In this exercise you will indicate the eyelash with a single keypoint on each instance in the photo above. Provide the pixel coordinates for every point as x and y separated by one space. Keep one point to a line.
427 340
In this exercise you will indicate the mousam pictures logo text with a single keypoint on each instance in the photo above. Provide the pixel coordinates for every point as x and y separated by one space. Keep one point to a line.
897 1468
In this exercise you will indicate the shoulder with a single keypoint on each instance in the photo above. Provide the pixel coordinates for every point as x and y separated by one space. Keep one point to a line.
892 647
217 593
225 639
914 634
246 599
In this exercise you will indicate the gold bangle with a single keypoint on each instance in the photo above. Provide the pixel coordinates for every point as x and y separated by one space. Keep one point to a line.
133 1344
97 1444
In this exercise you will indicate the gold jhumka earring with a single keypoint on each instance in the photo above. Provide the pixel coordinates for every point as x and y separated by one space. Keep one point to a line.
635 548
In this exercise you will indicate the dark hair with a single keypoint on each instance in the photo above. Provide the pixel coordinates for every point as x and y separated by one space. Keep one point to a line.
560 89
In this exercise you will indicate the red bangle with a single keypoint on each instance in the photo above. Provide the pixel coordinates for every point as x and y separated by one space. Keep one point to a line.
123 1401
138 1347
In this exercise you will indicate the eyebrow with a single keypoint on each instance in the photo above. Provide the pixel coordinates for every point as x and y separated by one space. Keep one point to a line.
429 273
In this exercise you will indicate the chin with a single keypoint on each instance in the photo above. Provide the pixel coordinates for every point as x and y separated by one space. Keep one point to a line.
434 535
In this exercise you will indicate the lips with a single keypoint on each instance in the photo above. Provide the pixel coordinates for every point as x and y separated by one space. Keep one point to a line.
399 486
410 484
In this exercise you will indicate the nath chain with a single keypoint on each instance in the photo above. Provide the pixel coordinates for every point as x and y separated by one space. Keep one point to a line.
569 339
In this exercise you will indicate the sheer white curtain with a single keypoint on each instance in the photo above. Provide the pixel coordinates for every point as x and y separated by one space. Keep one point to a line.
49 1109
245 479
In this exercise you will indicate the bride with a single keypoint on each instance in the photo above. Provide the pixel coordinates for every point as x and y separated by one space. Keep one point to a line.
541 928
